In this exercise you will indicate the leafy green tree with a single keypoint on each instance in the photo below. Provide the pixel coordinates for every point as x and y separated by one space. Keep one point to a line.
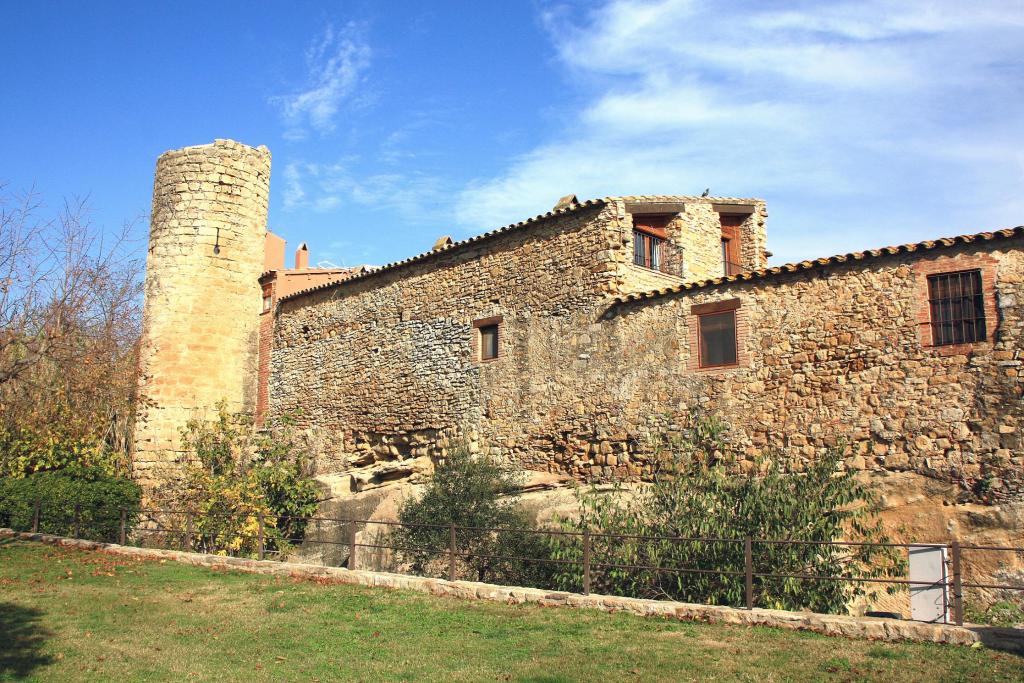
701 493
494 534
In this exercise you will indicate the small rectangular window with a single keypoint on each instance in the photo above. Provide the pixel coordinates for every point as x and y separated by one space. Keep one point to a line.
717 335
731 257
488 342
957 307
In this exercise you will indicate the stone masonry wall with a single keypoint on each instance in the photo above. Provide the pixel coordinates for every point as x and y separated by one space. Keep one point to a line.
694 250
826 355
582 385
387 363
200 325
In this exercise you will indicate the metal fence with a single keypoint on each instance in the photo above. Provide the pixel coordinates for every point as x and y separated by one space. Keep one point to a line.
187 530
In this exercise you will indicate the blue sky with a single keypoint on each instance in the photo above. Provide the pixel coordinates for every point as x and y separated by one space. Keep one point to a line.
390 124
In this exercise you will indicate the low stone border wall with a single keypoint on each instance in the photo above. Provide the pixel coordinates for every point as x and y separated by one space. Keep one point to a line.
828 624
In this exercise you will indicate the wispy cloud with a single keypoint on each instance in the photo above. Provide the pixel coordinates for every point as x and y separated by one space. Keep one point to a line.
866 107
335 66
413 196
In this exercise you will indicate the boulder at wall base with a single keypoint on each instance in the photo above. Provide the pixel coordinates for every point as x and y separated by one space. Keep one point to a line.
328 535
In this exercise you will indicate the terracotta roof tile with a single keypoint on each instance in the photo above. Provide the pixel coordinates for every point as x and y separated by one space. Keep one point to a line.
767 273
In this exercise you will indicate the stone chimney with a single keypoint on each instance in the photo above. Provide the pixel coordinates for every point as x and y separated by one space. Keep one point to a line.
302 257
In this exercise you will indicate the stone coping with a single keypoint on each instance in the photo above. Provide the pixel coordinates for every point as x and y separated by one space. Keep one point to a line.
892 630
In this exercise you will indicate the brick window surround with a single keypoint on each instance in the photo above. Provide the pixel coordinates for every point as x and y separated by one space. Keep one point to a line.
742 334
268 299
953 264
493 321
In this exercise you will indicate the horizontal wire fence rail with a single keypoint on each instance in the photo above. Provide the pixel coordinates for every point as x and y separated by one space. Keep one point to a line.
189 530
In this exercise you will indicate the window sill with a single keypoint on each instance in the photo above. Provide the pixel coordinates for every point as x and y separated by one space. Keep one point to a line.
965 349
719 368
648 269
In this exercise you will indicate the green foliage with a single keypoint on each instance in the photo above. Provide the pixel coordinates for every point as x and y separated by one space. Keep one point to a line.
700 493
1003 613
477 495
239 474
98 495
25 451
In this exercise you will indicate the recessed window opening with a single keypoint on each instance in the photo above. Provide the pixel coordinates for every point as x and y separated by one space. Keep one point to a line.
957 306
717 338
731 256
488 342
649 237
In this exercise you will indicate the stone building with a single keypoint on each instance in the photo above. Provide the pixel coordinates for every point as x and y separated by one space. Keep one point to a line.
570 341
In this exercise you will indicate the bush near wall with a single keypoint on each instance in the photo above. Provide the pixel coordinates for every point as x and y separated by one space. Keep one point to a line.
493 532
239 474
98 495
700 493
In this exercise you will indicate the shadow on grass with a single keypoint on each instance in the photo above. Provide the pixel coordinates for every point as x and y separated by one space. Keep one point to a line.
1001 638
22 638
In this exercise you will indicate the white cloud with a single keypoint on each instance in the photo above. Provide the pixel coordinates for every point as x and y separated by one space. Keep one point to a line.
293 190
412 196
335 66
862 107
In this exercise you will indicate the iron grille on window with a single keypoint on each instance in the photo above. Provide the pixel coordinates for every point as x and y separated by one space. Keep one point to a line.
957 307
647 250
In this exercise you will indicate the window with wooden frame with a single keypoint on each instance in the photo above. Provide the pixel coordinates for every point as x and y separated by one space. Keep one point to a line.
731 255
268 298
717 341
956 304
488 338
649 235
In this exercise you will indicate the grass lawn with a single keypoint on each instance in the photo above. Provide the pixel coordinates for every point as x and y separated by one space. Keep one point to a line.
72 615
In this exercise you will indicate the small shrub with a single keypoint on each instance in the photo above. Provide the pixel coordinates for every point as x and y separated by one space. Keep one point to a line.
699 493
477 494
99 496
237 475
1002 613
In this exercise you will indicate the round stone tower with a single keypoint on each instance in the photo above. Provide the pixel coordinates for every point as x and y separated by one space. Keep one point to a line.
202 295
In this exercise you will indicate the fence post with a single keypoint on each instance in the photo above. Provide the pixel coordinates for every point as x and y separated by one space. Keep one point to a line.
352 546
188 532
451 552
263 548
35 516
78 521
586 561
958 593
122 532
748 570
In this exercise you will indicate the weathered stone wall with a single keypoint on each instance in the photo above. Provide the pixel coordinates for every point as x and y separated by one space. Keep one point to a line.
825 355
694 250
200 325
386 361
583 385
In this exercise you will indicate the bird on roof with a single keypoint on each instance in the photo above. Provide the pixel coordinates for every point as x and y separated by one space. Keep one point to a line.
707 191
